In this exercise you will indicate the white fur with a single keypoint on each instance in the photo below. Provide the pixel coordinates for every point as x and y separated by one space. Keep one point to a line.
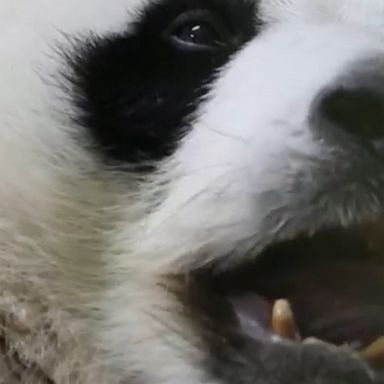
79 250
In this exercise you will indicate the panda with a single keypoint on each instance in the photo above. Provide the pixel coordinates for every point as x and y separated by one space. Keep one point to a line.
192 191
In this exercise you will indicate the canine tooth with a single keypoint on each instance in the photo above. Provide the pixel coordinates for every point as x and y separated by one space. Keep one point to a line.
314 340
283 320
375 351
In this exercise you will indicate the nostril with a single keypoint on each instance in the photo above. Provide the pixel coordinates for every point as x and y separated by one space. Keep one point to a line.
358 110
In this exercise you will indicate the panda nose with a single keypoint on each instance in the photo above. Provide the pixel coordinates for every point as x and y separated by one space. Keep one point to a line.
355 105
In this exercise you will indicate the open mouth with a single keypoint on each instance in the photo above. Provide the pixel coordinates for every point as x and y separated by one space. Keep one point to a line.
328 286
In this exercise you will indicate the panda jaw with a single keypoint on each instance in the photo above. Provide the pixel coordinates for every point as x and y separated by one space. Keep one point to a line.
331 280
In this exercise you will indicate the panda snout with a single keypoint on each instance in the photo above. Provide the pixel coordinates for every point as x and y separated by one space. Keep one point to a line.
354 105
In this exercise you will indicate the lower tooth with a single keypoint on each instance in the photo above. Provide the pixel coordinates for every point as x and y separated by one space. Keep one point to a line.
374 352
284 325
314 340
283 320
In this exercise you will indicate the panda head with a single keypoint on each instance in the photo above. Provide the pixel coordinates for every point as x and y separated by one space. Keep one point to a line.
242 142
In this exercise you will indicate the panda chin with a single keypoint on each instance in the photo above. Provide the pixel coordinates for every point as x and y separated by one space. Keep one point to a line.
332 281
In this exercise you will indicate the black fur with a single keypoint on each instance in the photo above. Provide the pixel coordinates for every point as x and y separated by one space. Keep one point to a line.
137 91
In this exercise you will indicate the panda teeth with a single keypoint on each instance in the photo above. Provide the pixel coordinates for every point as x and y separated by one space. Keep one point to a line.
283 321
284 326
374 353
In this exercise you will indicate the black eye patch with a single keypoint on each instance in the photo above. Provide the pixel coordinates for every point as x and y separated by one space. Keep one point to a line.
136 92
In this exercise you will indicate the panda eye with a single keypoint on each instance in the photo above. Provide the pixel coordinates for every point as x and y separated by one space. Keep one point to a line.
198 30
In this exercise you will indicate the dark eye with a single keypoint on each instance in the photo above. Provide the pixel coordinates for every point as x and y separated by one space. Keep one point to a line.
198 29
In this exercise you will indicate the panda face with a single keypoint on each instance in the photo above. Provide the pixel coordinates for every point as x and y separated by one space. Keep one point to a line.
187 163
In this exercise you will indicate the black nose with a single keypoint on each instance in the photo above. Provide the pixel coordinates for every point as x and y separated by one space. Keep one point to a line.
356 105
